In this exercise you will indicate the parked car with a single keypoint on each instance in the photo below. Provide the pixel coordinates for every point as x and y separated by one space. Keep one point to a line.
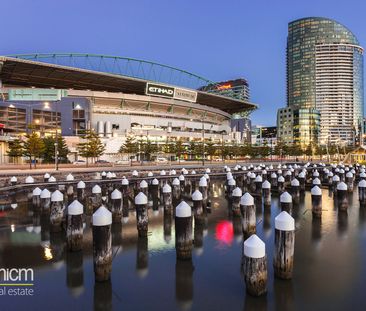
162 160
122 162
101 162
79 162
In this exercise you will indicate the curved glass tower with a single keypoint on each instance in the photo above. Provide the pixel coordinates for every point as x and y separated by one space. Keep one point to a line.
325 73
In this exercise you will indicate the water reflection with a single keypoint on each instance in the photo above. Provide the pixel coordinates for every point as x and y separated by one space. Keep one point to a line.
267 220
198 238
316 230
45 227
362 215
103 296
342 223
284 295
149 265
75 273
142 257
116 238
57 246
256 303
224 232
258 207
184 283
237 227
167 227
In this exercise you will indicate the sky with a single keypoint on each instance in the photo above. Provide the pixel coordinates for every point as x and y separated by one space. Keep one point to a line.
218 40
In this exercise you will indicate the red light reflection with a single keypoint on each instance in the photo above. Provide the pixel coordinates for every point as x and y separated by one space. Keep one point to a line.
225 232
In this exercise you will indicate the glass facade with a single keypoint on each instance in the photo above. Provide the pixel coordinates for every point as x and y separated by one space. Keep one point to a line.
306 123
14 119
19 118
325 72
78 121
45 122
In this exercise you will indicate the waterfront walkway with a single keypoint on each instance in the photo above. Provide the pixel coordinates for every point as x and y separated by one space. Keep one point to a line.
6 170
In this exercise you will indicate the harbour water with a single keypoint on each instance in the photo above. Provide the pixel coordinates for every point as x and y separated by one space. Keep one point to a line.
329 265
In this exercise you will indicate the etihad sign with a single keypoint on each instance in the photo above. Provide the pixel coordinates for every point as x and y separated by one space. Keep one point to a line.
170 92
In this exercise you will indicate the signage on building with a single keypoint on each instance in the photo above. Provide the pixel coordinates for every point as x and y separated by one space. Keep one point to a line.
187 95
224 86
159 90
170 92
36 94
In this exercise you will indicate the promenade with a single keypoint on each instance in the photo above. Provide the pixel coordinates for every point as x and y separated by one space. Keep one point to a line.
19 170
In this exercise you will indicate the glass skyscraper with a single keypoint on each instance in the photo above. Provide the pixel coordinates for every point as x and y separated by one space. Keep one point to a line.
325 75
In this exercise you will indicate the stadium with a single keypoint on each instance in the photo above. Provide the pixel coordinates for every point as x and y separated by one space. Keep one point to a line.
116 97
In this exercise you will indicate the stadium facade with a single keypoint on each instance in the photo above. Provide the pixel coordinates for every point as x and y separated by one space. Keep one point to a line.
116 97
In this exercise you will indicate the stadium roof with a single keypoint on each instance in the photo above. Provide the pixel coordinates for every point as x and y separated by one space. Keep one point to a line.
36 70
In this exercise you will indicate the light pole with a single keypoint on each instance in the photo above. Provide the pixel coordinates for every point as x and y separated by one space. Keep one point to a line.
169 131
56 136
222 146
271 139
203 141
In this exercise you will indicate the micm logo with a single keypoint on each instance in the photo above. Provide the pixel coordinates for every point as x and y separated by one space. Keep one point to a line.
17 275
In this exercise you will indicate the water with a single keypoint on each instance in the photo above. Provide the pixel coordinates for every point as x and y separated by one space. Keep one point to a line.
329 265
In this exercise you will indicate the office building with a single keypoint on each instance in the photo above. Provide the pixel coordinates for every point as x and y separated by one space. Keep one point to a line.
325 73
264 135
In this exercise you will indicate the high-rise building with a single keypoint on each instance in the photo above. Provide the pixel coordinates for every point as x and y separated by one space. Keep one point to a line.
325 75
264 135
241 127
238 88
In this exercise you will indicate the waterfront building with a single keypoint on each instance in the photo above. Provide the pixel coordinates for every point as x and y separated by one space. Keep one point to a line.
264 135
241 127
285 125
116 97
236 88
325 73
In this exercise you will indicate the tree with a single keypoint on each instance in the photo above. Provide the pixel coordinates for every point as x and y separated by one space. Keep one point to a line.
130 147
279 149
62 149
49 149
235 150
148 148
264 151
192 149
244 150
225 151
320 150
309 150
254 151
211 149
294 150
33 148
178 148
15 149
167 148
332 149
91 147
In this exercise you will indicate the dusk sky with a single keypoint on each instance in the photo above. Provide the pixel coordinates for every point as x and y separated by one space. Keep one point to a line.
218 40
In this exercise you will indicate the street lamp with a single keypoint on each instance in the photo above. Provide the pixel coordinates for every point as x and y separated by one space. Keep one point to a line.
203 142
222 146
56 137
169 131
